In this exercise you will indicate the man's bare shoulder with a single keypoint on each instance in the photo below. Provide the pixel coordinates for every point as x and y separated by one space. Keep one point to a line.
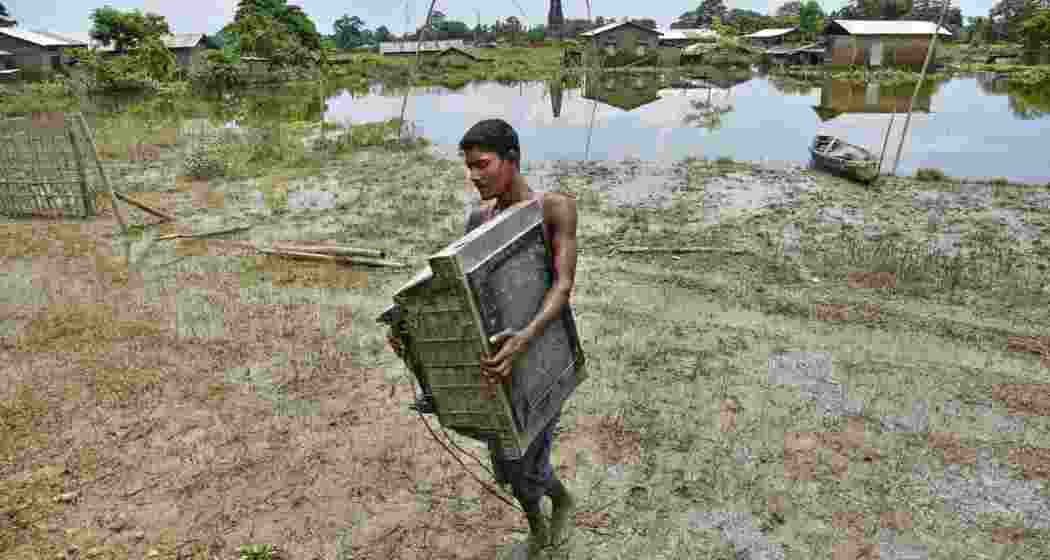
559 208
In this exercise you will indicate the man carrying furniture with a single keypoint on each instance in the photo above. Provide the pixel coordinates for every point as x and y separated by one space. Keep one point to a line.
492 154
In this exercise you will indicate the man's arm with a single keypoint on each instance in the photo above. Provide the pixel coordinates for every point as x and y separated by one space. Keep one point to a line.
561 211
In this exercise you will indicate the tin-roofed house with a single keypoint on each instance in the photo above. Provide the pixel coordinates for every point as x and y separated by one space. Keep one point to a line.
878 43
623 37
7 21
770 37
36 52
410 48
188 48
684 37
7 66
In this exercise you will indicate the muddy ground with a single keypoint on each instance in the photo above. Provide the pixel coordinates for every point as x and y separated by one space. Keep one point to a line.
183 398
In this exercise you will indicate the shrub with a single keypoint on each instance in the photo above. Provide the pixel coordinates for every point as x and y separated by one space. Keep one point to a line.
208 159
1000 181
930 174
724 160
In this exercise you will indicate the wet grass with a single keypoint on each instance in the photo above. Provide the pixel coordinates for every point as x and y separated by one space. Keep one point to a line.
678 347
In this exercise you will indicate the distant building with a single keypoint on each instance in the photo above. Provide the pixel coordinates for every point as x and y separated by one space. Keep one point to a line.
769 37
188 48
40 52
877 43
623 36
403 48
7 65
685 37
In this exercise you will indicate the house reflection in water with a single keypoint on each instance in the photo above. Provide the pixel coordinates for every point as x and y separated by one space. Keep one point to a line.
840 97
622 91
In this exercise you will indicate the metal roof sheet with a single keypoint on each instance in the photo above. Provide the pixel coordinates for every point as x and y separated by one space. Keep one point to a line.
5 53
401 47
686 34
614 25
173 41
897 27
767 33
39 39
183 40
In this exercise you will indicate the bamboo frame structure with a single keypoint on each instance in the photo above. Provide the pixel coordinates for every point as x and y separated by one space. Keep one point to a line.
45 172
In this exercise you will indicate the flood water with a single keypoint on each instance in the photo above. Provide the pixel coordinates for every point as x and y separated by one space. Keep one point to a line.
973 127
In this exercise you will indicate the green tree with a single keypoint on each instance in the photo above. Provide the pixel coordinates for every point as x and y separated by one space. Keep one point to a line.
790 8
537 33
1008 17
291 18
125 30
1036 30
349 32
708 10
383 34
3 10
809 18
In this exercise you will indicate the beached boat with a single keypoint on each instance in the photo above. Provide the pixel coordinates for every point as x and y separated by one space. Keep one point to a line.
844 158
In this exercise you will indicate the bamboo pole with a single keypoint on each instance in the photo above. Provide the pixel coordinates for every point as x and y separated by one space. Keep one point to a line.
143 206
918 86
329 258
337 250
203 233
412 75
655 250
102 172
89 206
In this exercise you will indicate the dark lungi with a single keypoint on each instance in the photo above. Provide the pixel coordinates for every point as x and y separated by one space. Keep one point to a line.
532 475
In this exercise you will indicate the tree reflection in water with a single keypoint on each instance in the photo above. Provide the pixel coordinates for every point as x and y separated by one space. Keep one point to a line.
708 110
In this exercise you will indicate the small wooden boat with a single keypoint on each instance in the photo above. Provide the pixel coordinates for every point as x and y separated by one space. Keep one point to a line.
844 158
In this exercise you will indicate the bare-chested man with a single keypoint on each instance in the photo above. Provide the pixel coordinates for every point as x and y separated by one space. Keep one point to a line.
493 156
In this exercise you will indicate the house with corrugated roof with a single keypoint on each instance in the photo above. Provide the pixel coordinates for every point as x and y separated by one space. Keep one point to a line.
685 37
405 48
624 36
878 43
7 65
770 37
36 51
188 48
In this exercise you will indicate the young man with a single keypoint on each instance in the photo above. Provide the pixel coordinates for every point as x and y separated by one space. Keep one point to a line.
493 156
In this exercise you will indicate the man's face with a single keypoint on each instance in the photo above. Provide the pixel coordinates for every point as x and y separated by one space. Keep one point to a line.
491 175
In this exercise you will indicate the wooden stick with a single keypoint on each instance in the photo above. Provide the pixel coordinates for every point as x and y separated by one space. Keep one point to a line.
338 250
682 250
143 206
330 258
102 172
203 233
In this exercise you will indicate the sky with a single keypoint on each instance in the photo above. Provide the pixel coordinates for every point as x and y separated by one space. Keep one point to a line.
208 16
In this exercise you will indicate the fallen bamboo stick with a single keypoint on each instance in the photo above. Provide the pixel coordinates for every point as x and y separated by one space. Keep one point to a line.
682 250
203 233
143 206
337 250
330 258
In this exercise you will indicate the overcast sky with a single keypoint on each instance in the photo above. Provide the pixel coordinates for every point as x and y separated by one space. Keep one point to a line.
208 16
